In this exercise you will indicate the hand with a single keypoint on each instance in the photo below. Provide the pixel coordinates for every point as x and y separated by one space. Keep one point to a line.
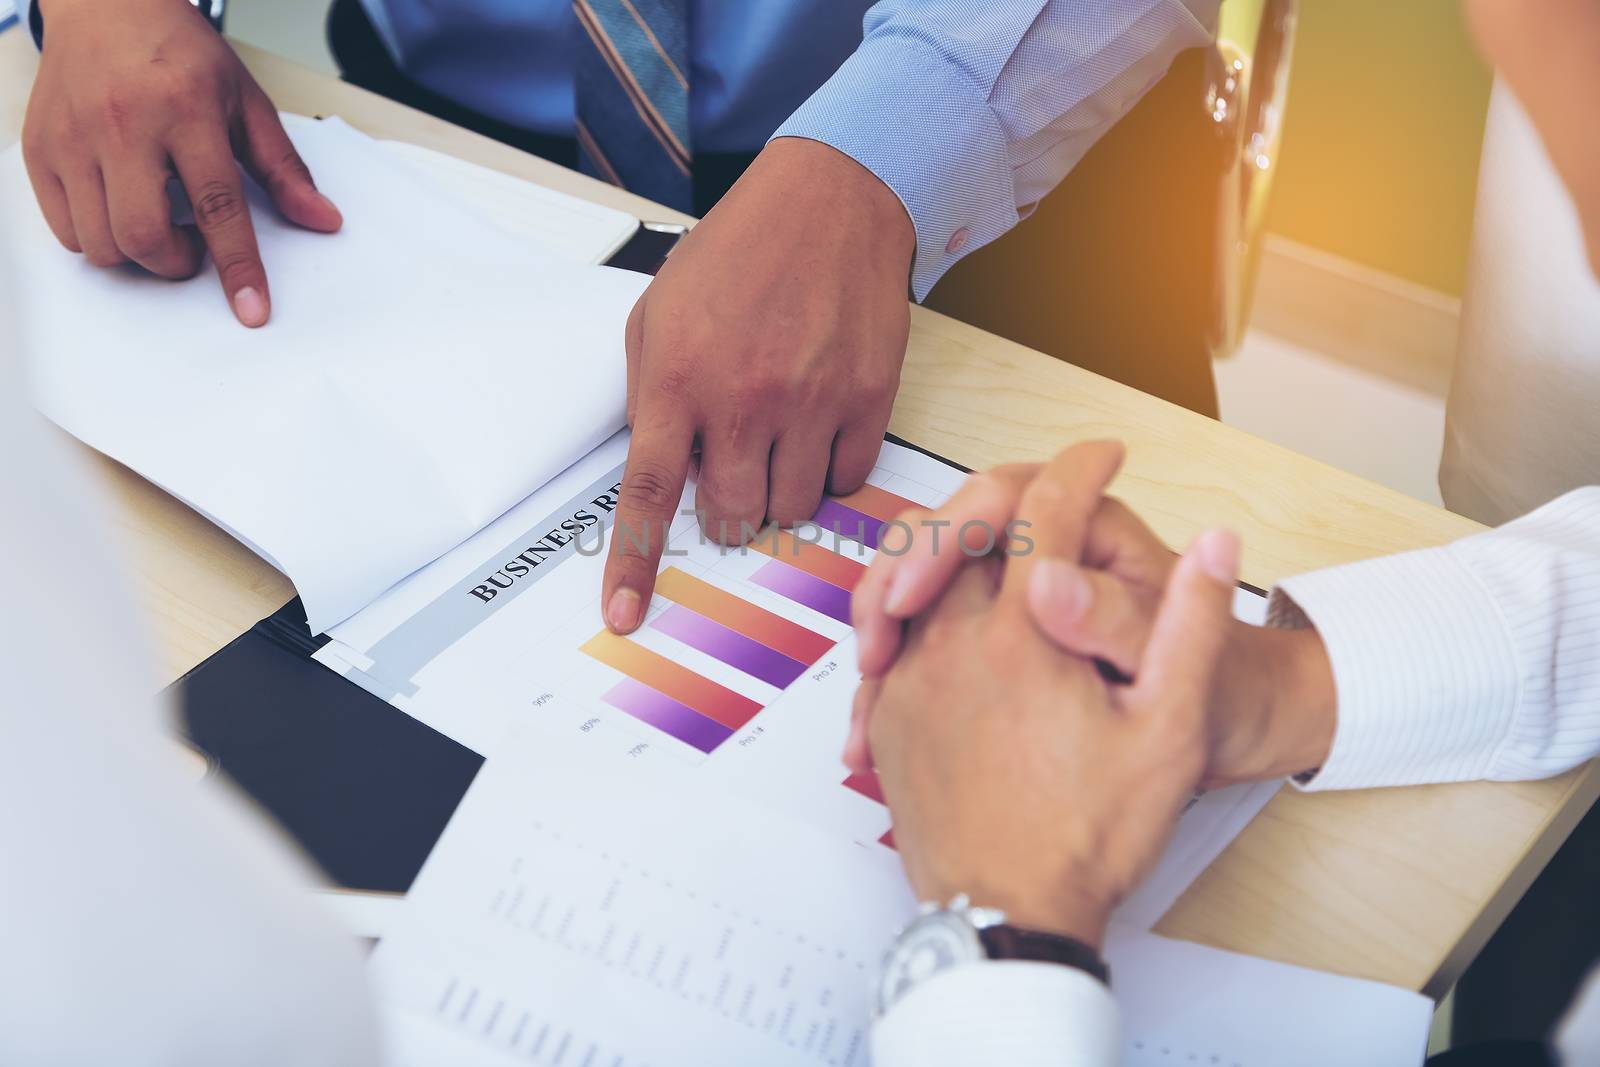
131 92
1015 773
1273 704
772 340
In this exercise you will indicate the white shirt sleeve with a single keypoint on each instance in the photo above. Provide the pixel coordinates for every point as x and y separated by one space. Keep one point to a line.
1012 1011
149 918
1478 659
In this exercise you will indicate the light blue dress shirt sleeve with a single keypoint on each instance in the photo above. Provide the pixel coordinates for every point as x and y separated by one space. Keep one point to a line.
973 110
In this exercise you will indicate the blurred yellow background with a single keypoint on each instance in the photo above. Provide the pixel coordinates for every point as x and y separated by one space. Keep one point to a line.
1380 145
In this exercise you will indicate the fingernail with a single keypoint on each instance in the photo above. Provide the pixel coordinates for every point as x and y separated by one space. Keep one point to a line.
900 587
1218 555
1063 587
250 306
331 206
622 614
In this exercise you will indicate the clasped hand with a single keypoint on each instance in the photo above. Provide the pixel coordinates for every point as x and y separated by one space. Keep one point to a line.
1038 716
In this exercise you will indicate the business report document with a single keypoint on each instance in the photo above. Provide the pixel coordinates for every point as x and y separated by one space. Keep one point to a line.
741 676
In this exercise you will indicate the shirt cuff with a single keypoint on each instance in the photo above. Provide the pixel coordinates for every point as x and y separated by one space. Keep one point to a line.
898 108
1424 668
1014 1012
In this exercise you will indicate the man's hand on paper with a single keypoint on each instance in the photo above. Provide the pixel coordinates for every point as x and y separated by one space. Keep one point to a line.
1272 704
1014 771
132 93
771 343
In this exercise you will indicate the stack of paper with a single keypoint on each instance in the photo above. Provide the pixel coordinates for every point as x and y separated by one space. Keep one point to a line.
564 226
422 372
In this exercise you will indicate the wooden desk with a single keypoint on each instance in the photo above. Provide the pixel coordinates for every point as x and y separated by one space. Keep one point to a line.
1402 885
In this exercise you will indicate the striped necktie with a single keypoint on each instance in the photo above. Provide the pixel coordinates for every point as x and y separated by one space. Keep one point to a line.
633 96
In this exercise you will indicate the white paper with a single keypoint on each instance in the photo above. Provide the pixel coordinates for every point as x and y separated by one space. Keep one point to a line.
563 225
576 911
422 372
1185 1003
624 914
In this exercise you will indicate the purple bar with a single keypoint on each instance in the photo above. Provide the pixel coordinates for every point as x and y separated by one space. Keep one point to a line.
801 588
848 522
730 646
667 715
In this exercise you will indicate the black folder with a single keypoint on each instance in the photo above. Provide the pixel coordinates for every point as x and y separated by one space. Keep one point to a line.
363 787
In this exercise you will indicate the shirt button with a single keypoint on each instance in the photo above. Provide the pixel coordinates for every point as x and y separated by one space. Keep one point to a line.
958 241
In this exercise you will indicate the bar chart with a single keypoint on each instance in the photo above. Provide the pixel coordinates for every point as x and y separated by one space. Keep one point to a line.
757 642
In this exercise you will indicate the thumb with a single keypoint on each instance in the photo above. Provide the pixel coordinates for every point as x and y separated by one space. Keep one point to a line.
1190 628
270 158
1090 613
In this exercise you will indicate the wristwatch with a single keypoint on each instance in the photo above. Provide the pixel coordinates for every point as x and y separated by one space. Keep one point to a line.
944 937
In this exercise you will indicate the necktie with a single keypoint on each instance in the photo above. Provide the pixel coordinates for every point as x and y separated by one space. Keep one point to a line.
633 96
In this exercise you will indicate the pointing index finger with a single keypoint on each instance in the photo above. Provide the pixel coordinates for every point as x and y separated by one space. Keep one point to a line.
206 167
652 485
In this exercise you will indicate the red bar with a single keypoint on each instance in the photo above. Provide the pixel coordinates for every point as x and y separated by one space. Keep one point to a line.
867 785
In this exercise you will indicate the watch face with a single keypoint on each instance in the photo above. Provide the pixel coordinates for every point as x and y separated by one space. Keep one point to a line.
931 944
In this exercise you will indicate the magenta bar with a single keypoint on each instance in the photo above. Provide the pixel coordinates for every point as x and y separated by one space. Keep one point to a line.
667 715
730 646
846 521
802 588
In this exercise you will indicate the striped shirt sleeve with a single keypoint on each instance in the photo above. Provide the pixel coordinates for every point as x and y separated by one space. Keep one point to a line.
1479 659
972 111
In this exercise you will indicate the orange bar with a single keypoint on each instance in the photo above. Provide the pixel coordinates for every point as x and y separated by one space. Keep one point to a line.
666 677
815 560
758 624
879 503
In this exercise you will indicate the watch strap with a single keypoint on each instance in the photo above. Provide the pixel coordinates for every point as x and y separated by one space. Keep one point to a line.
1006 942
